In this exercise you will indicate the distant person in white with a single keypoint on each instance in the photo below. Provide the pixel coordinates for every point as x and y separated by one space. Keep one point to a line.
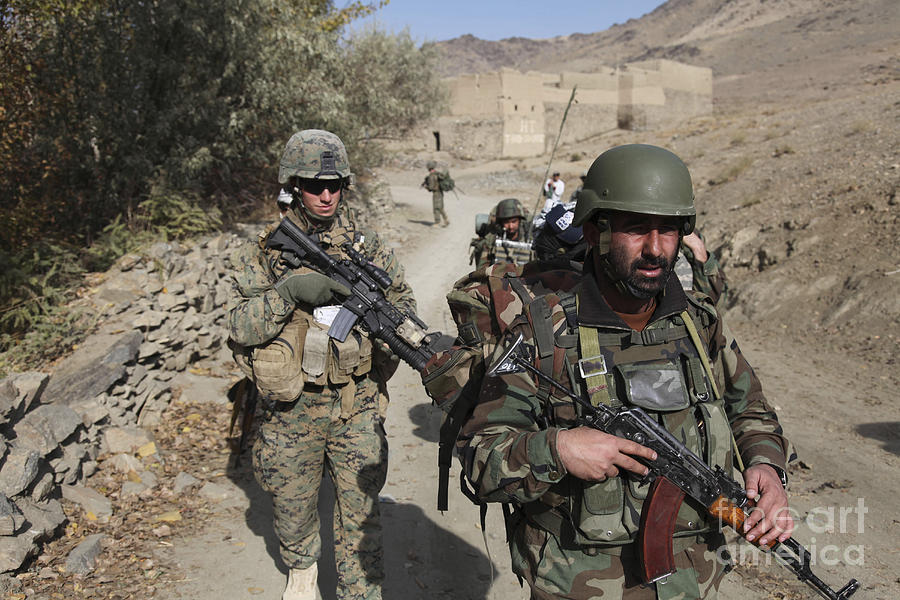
553 192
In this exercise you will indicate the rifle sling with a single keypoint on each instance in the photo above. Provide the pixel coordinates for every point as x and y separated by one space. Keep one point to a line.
704 358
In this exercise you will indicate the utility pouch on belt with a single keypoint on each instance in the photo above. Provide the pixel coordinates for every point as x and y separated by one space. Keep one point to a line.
315 354
598 512
351 357
276 364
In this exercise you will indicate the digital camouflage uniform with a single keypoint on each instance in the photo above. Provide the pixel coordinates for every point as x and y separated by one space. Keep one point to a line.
433 184
335 423
571 538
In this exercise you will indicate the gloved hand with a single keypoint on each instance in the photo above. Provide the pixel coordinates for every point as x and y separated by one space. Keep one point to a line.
311 288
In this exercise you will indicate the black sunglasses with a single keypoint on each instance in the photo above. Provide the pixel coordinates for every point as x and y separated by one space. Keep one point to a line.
317 186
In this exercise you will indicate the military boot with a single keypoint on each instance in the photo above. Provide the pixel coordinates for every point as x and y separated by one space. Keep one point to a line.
301 584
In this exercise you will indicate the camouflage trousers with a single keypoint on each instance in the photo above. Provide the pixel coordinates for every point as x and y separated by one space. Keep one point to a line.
297 440
554 571
437 203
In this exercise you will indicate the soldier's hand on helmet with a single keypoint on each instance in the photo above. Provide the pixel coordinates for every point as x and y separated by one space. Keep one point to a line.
770 518
593 455
310 288
696 245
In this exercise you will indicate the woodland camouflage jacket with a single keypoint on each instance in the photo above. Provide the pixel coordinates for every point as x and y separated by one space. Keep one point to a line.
508 445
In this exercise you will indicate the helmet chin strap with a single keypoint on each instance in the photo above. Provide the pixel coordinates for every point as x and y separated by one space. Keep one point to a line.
618 282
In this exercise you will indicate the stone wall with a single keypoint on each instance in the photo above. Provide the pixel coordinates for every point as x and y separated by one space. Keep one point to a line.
163 311
662 93
527 108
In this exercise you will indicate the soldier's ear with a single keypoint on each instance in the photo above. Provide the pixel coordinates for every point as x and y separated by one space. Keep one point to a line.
591 233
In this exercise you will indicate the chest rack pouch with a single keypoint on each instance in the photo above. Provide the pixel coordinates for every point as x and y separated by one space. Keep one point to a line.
657 386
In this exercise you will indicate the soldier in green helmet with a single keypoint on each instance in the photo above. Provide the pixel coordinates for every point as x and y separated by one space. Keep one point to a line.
504 237
324 400
623 332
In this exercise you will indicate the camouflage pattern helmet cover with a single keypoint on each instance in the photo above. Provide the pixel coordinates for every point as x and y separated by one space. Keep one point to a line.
638 178
314 154
510 208
430 165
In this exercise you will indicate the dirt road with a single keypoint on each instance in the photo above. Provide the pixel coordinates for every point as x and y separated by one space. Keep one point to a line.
846 436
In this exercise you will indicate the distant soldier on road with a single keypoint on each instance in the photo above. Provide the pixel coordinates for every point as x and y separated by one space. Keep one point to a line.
433 183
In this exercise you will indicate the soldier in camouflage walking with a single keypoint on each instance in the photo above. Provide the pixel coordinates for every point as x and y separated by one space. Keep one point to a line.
325 400
622 332
432 183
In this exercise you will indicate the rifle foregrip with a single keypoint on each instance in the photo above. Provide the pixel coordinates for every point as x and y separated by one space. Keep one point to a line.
409 355
657 526
731 514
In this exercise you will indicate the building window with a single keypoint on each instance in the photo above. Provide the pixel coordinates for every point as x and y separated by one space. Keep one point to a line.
437 140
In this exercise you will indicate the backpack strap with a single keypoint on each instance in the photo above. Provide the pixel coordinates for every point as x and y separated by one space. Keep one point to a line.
540 316
450 428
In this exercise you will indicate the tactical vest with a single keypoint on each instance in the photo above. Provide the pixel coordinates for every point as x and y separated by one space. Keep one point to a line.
303 353
661 370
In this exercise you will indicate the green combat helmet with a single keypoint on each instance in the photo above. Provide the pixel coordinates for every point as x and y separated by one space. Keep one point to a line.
314 154
509 208
430 165
641 179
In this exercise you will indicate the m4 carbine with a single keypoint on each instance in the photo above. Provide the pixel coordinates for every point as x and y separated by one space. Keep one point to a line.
402 331
675 472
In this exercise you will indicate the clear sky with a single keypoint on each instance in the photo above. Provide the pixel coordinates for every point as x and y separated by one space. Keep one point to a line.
438 20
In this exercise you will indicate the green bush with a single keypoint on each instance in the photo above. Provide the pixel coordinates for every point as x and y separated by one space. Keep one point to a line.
33 282
148 119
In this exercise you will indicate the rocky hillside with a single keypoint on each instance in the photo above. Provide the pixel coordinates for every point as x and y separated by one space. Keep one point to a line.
773 44
797 171
161 314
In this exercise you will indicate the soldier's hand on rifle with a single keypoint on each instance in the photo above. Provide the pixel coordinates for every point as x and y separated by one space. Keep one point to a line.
593 455
770 517
310 288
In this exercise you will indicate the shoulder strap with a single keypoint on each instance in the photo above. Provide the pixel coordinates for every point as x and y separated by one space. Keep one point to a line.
592 366
701 350
704 357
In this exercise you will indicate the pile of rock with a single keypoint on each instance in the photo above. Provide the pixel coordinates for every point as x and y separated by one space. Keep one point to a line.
162 313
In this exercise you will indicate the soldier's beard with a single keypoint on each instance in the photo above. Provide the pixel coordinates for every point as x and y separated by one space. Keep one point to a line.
639 286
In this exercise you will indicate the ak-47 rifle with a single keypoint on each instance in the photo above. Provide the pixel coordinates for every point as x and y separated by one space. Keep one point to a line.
675 472
403 331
